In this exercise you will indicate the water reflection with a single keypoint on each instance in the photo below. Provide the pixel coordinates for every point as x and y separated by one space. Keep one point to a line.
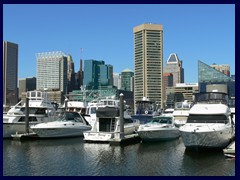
74 157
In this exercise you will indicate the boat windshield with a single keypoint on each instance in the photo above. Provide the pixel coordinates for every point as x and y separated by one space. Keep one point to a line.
162 120
197 118
71 117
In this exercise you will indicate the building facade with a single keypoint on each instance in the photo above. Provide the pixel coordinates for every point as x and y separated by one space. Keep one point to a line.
174 66
70 74
209 75
148 62
52 71
117 80
181 92
127 80
223 68
97 74
10 73
167 82
26 84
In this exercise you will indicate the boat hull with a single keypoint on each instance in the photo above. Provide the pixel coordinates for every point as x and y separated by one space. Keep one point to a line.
159 135
55 132
201 137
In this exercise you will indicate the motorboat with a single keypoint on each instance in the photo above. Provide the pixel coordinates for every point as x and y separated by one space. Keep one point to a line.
107 122
68 125
160 128
181 112
209 124
146 109
40 110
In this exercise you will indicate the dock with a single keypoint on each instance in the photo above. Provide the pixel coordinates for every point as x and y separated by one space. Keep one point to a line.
229 151
126 140
24 137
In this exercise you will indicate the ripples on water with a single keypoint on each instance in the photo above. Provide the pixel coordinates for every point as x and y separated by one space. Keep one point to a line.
74 157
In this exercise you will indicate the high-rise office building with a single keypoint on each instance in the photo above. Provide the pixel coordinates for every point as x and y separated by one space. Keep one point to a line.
70 73
174 66
10 73
148 62
223 68
91 73
127 80
52 71
97 74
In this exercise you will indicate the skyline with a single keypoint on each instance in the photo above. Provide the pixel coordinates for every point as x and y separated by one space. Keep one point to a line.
105 32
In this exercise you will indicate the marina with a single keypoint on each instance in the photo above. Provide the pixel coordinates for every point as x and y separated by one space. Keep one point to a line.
75 157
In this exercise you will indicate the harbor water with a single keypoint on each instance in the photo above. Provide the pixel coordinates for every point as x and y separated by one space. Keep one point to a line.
74 157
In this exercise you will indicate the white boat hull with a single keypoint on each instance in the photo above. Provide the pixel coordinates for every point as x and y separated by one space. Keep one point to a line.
206 136
162 134
54 130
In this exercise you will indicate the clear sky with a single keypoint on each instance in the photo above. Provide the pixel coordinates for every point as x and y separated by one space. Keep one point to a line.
105 32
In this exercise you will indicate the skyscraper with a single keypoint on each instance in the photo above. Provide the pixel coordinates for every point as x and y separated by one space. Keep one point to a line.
52 71
10 73
91 73
70 73
174 66
148 62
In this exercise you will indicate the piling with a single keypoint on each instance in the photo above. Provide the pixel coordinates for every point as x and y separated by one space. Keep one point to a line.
121 117
27 115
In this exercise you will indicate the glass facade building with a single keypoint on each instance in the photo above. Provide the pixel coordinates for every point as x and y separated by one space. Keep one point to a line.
127 80
208 75
97 74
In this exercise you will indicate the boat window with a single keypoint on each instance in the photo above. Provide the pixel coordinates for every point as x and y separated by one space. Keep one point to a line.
93 110
207 119
163 120
128 121
33 94
40 111
32 119
69 116
38 94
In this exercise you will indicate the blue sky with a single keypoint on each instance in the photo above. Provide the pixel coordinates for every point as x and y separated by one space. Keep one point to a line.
105 32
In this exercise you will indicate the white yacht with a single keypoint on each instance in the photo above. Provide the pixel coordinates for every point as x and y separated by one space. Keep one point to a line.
160 128
107 122
40 110
181 112
209 124
68 125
